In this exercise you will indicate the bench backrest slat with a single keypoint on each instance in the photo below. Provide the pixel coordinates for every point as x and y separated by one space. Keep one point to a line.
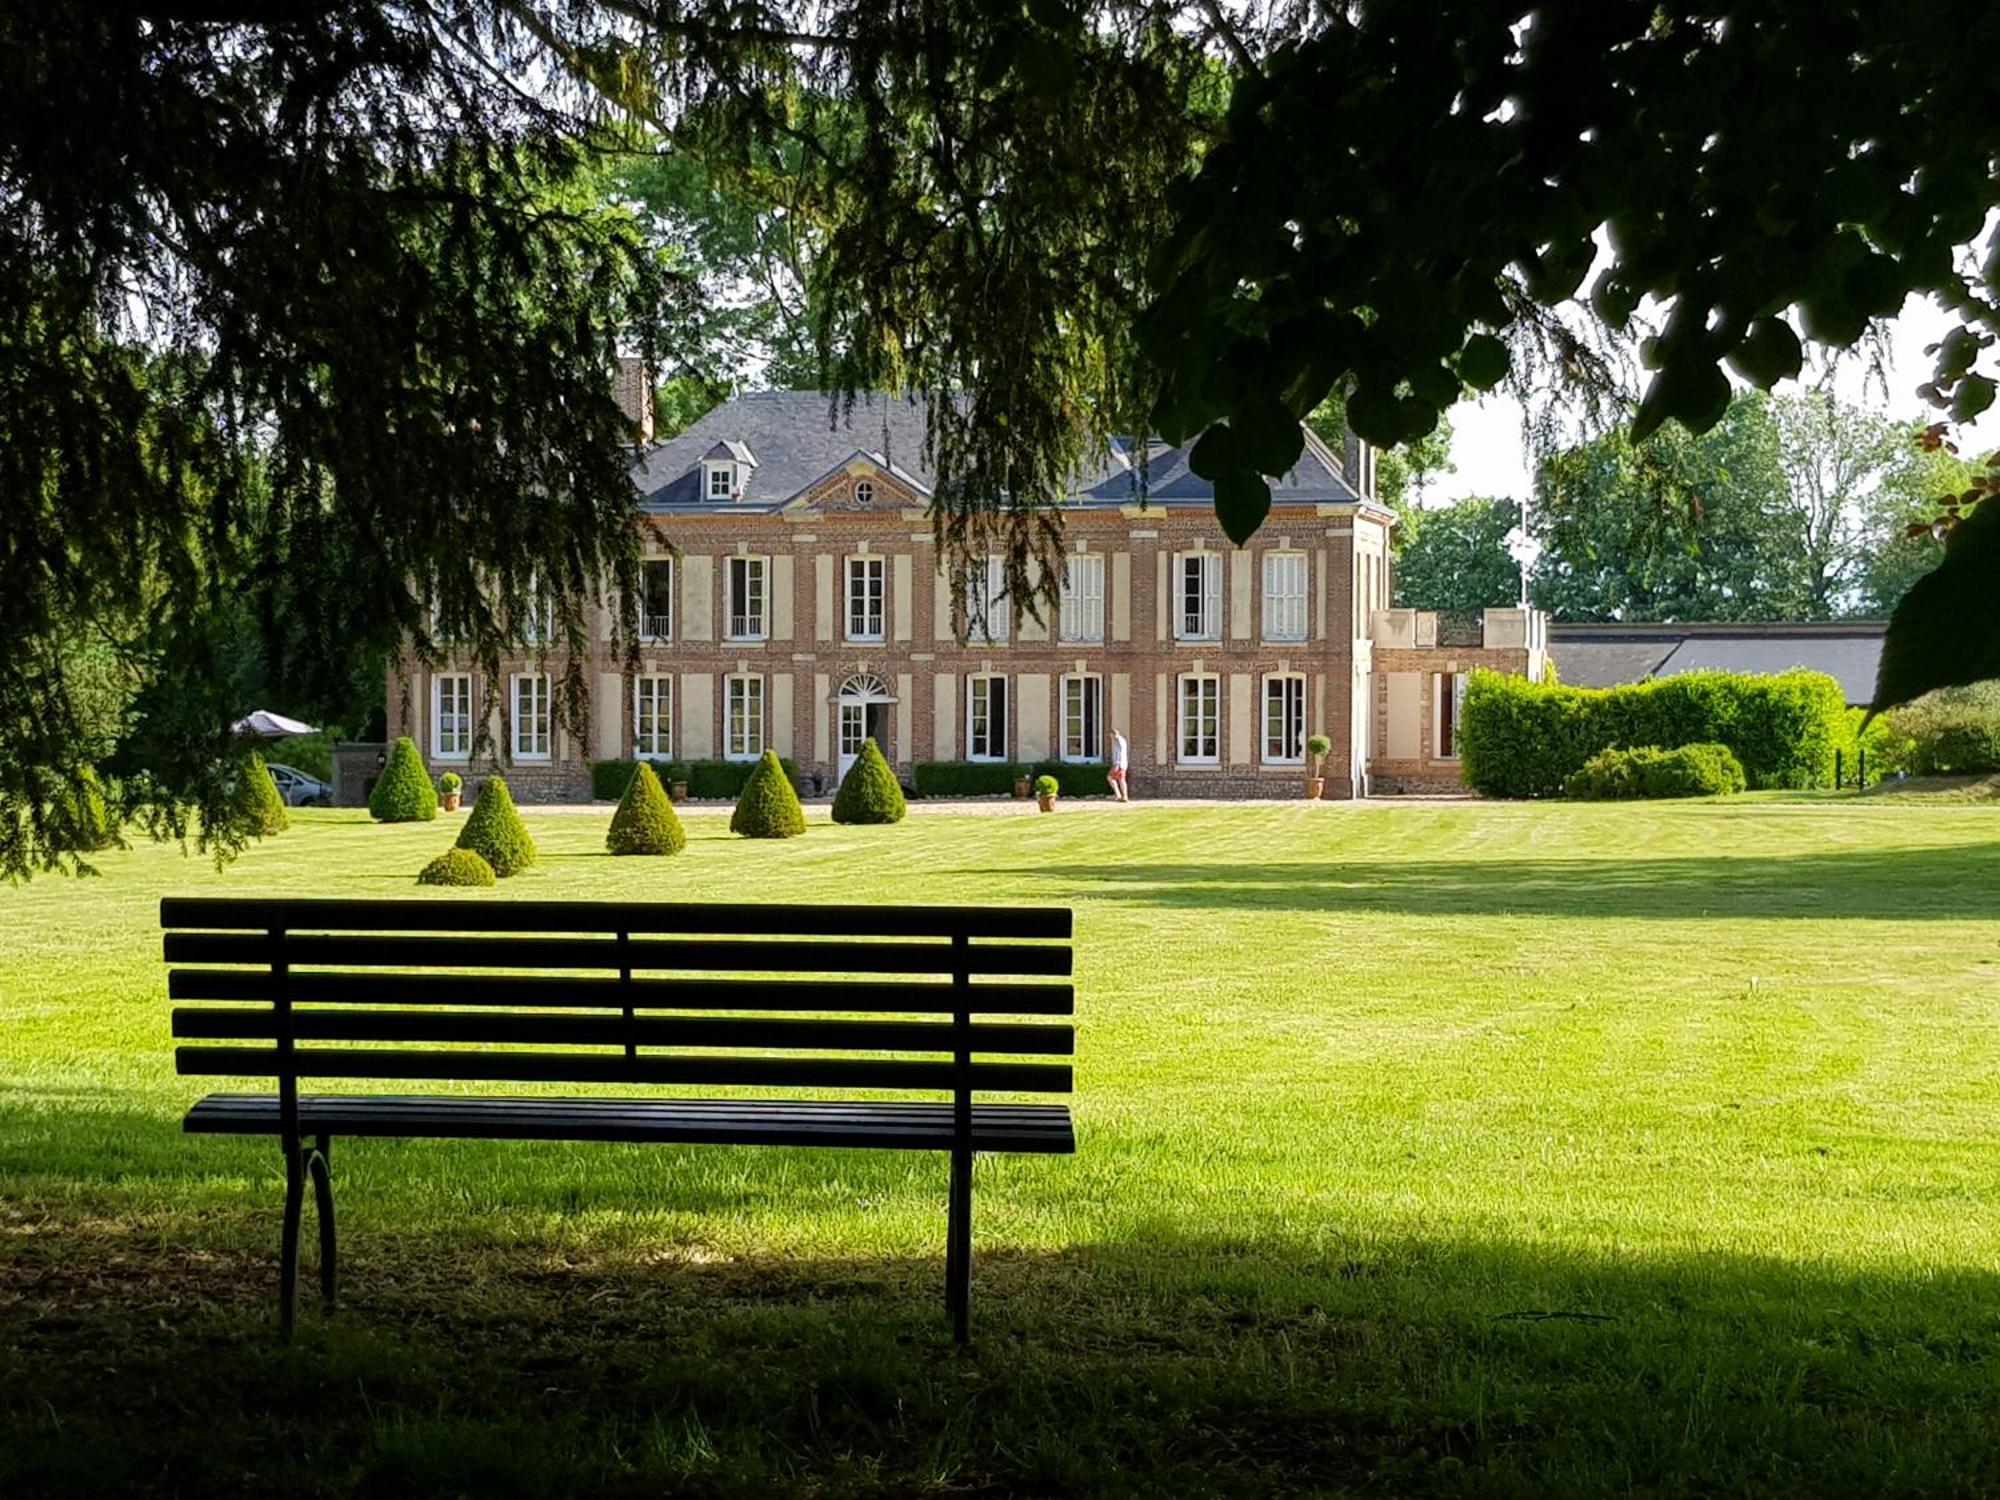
547 1029
912 997
686 954
624 993
713 919
606 1067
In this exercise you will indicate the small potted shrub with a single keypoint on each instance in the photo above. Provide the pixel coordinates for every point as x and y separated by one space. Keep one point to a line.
449 787
1317 748
1045 793
677 789
1021 783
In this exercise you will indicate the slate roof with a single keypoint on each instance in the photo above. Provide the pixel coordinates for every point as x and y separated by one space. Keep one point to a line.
800 437
1606 655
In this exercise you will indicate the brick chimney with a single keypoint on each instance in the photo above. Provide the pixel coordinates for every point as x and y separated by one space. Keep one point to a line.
633 391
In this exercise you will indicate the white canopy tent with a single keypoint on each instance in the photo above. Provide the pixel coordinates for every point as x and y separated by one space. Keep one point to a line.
266 725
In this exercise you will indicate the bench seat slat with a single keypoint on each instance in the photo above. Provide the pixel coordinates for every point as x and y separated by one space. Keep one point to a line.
548 1029
783 1122
890 997
691 954
712 918
597 1067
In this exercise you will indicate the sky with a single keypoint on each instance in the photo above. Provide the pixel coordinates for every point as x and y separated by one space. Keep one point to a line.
1491 458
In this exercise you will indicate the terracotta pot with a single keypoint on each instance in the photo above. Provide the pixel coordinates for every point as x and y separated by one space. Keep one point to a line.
1047 804
1021 788
678 792
449 801
1315 786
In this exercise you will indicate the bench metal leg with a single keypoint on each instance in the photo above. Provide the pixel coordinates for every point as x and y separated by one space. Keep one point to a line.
958 1248
320 1162
306 1160
288 1244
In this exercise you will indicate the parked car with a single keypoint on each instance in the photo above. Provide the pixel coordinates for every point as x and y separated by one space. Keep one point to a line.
299 789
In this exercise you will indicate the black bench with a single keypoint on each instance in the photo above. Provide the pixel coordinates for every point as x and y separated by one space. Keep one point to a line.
671 995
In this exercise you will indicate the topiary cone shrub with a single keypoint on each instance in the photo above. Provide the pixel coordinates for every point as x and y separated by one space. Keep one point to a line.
768 808
457 867
869 792
257 794
403 793
95 831
495 830
645 822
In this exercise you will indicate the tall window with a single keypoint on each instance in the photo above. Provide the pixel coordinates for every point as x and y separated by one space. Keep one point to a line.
1198 597
1201 721
656 605
1083 598
747 603
988 610
1448 690
531 716
538 620
653 718
1284 596
864 598
745 728
986 718
1284 720
1083 718
451 716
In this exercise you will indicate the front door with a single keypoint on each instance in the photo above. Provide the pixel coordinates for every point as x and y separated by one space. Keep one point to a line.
861 720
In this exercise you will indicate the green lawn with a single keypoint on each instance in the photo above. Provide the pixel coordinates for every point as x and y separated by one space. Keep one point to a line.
1449 1148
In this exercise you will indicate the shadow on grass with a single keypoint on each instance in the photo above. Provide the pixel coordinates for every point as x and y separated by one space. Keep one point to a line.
1899 885
139 1356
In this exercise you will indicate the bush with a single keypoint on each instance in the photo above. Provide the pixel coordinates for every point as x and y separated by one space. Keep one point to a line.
645 822
869 792
1701 770
1079 778
450 782
495 831
963 778
1047 786
403 793
769 806
457 867
257 795
1954 732
1525 739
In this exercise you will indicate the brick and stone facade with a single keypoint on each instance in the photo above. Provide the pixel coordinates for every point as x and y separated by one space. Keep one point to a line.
796 601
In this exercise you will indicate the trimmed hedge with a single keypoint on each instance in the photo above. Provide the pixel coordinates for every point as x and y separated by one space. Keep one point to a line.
963 778
1525 739
645 822
495 830
719 780
1649 771
769 807
869 792
980 778
403 792
258 796
457 867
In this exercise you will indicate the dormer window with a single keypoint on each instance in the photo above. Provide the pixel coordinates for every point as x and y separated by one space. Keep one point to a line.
725 471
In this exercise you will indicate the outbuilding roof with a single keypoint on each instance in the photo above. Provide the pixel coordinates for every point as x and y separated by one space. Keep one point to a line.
1849 651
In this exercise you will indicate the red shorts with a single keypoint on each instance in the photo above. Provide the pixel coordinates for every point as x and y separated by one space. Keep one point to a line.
1116 773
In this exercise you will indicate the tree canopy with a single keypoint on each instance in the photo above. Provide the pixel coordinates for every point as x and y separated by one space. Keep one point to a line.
301 300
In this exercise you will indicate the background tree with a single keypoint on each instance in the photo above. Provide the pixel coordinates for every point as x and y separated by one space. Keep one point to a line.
1459 557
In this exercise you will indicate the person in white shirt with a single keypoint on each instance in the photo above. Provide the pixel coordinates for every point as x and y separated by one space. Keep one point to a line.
1121 761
